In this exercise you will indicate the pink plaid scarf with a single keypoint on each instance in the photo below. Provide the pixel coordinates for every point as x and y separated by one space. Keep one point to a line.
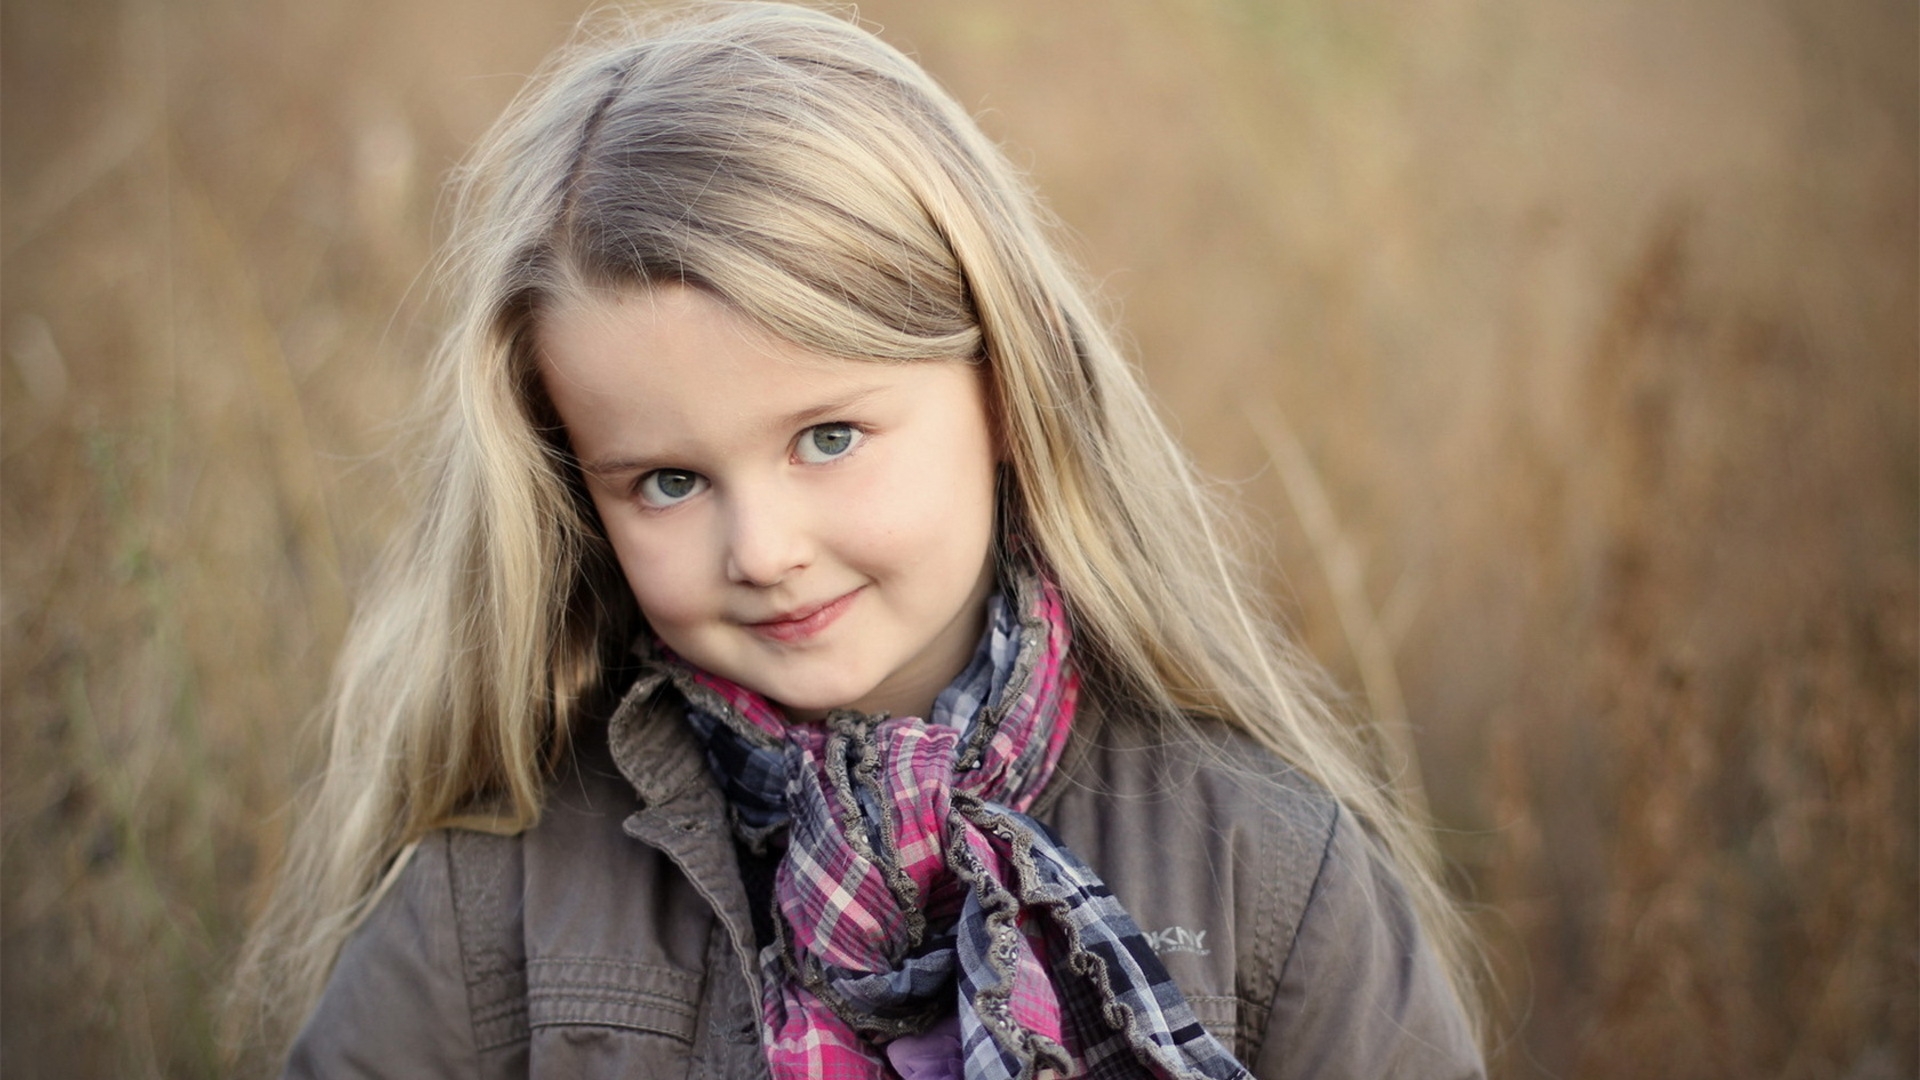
914 889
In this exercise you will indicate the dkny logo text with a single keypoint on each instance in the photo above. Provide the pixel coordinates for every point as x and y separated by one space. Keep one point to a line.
1177 939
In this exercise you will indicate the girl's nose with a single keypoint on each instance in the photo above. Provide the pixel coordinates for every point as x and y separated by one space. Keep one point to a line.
766 540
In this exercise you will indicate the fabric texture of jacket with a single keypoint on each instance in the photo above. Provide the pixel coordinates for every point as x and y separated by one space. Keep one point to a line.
614 938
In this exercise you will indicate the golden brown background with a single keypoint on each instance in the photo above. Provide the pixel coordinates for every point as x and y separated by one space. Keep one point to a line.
1563 353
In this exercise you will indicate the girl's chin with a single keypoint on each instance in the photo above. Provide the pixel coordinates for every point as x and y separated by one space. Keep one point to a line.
804 716
810 713
813 708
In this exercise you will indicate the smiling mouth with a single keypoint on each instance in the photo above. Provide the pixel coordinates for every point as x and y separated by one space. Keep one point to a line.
804 623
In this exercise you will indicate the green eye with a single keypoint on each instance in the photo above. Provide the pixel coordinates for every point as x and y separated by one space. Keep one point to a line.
665 487
824 442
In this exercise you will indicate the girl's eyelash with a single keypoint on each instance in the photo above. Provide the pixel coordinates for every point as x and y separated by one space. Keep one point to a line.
831 441
662 489
818 444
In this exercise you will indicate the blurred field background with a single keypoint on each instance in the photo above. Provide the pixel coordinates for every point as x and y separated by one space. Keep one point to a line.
1564 355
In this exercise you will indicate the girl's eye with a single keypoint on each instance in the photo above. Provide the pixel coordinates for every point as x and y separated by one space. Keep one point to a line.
665 487
824 442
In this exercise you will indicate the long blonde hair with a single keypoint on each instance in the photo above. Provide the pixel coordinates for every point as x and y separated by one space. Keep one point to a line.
823 185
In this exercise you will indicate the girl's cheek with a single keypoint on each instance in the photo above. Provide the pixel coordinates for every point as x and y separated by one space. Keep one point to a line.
665 608
921 491
655 571
650 560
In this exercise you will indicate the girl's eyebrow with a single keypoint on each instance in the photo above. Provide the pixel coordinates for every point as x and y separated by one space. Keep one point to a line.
829 410
608 467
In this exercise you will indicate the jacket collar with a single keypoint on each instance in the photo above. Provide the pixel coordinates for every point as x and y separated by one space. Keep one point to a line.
682 813
653 747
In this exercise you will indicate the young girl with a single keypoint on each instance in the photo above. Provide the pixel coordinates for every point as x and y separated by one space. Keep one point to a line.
813 656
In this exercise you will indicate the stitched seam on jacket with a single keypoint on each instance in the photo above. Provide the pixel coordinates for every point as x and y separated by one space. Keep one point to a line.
668 971
1224 1015
655 1016
1313 894
503 1021
637 996
561 1018
1268 949
496 985
589 992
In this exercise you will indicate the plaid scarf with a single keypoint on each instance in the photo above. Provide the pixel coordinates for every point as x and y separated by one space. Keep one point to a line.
914 889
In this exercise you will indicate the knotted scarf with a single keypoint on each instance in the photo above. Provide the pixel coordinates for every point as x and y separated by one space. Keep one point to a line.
914 889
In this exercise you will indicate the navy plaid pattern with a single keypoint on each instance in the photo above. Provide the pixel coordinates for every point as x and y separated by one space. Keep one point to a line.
1126 996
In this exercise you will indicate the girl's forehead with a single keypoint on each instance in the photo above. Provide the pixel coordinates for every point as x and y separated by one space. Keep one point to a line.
673 341
669 320
649 302
660 309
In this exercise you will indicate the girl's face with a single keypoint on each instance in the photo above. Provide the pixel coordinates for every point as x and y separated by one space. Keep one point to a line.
815 529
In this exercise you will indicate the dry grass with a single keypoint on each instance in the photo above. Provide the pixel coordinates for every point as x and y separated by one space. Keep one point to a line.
1594 327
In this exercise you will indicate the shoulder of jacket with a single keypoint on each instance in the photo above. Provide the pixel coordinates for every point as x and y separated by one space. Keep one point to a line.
1213 765
429 978
483 879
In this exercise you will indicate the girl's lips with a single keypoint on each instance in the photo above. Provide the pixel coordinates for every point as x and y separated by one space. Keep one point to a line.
804 623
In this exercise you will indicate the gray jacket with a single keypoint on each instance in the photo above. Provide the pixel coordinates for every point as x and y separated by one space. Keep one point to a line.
614 938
